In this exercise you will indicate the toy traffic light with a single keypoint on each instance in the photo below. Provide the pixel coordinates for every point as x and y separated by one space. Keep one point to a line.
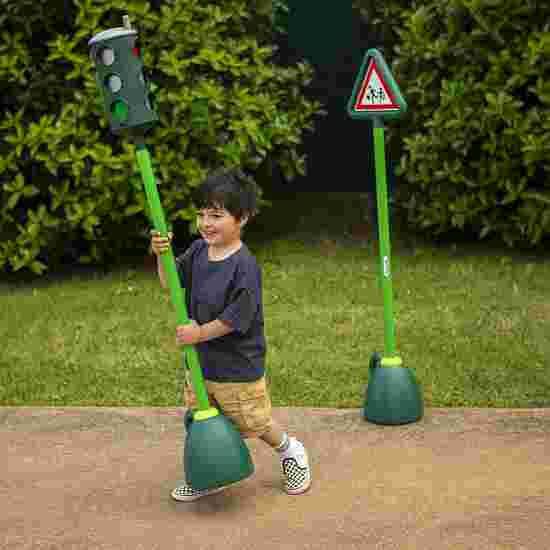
119 74
215 453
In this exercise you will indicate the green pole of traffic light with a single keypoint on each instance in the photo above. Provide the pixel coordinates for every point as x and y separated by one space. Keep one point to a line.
177 293
128 102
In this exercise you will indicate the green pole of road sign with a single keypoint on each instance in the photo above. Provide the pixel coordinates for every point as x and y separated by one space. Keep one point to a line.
393 395
215 454
384 237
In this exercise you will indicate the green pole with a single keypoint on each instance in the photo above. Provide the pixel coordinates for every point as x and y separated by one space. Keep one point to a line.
176 291
384 237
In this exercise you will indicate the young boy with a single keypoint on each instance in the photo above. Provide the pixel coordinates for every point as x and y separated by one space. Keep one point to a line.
224 303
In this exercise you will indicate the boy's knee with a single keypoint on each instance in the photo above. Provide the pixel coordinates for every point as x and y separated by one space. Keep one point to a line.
259 432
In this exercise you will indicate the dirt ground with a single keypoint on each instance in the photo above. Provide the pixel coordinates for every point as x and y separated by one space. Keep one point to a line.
100 478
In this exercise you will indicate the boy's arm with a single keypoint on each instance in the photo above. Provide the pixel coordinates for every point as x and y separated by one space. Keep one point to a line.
162 274
214 329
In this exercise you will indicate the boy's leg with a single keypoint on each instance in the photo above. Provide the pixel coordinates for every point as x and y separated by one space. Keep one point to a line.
294 459
248 404
276 437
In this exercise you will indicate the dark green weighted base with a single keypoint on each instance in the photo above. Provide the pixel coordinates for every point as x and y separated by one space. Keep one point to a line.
215 453
393 395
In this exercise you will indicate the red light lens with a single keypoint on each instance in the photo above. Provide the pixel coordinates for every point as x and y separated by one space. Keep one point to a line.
136 52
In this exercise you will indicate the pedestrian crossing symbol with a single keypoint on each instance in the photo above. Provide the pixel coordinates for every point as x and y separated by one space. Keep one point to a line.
375 94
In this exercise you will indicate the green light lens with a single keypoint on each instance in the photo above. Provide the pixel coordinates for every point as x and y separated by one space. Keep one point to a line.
119 111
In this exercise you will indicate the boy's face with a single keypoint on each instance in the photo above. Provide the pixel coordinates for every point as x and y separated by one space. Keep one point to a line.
219 227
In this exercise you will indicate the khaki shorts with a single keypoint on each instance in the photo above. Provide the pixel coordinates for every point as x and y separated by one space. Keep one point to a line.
247 404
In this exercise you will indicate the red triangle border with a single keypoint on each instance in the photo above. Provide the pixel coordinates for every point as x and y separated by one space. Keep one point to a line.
381 107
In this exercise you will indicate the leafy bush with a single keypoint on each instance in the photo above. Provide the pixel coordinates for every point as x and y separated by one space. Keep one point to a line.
220 98
476 139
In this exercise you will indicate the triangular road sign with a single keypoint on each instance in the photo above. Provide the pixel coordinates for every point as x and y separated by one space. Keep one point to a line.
375 94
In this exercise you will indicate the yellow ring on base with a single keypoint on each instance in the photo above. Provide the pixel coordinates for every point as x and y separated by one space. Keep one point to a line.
203 415
391 362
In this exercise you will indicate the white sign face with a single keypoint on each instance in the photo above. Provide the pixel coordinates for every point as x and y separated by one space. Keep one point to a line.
376 93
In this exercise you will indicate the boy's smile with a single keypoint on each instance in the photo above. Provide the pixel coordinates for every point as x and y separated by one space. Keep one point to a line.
219 228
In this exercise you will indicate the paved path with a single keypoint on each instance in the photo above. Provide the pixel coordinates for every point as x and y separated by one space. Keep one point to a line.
100 478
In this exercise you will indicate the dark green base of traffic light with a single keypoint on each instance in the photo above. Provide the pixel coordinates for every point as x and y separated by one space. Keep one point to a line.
215 454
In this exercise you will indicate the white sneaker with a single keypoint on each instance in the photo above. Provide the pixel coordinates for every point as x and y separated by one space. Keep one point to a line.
296 470
185 493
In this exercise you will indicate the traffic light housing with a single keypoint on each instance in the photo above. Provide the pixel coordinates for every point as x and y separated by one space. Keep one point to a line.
119 73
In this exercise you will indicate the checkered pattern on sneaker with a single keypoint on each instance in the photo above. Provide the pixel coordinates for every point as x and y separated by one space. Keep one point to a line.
185 493
296 470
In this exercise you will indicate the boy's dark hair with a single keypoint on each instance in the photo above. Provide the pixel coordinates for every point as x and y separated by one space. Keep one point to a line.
230 189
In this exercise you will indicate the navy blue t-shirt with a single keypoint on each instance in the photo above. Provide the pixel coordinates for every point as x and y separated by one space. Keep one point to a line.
229 290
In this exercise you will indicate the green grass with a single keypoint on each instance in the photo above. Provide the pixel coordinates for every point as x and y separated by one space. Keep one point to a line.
472 322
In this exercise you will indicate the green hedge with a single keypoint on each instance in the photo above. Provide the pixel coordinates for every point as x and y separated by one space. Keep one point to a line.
475 144
220 97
